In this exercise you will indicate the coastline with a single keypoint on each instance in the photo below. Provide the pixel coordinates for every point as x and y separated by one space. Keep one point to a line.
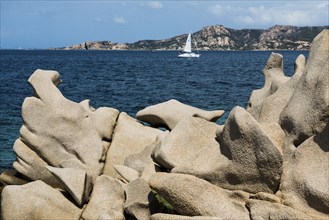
252 165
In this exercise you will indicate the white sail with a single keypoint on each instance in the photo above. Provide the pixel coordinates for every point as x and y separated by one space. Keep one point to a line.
187 52
187 48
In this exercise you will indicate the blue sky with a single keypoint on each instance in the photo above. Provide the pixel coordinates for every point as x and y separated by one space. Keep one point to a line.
45 23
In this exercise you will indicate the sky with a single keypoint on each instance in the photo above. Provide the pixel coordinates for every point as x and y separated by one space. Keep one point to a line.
44 24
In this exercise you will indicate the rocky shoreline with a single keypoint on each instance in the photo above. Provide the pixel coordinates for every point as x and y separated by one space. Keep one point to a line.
268 161
218 37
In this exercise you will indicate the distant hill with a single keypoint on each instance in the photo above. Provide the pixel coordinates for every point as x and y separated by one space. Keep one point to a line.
218 37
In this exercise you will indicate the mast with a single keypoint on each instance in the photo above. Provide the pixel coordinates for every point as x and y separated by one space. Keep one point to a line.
196 45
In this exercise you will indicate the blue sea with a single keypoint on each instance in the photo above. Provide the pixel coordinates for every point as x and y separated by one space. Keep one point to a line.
132 80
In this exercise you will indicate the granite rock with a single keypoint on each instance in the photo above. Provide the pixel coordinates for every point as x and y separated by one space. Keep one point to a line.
244 158
75 181
106 200
169 113
305 179
274 78
9 177
143 159
32 166
307 112
274 104
74 139
36 200
127 173
162 216
139 199
277 152
130 137
184 142
256 162
260 210
192 196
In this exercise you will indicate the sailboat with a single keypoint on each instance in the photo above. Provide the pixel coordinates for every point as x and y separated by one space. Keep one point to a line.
187 52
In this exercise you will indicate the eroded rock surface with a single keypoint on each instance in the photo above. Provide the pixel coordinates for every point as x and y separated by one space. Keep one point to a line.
274 104
270 162
106 201
8 177
267 210
192 196
184 142
130 137
245 157
127 173
36 200
75 181
307 112
74 139
274 78
161 216
139 199
305 179
168 114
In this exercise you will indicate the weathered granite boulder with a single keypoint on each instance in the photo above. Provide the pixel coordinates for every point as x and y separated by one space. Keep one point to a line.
142 160
74 139
9 177
162 216
305 179
129 137
274 78
274 104
256 162
278 152
149 170
32 166
106 201
260 210
184 142
75 181
192 196
266 197
246 158
169 113
139 199
36 200
307 112
275 134
139 160
128 174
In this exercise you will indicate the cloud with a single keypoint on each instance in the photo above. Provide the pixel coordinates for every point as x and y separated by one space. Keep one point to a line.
119 20
246 19
287 14
153 4
220 10
322 5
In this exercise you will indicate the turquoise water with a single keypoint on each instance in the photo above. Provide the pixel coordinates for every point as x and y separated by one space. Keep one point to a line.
132 80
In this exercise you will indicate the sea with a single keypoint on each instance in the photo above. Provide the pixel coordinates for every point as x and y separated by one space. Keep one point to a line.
132 80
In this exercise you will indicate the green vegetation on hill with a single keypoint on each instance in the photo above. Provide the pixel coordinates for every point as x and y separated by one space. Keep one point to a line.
217 37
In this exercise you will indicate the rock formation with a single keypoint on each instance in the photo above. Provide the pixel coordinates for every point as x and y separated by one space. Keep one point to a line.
184 142
168 114
270 161
274 78
246 158
192 196
218 37
130 137
301 120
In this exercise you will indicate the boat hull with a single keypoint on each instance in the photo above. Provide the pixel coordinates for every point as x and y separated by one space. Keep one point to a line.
189 55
